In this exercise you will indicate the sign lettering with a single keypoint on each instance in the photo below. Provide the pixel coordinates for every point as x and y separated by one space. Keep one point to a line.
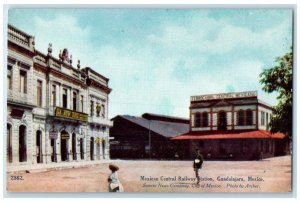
53 135
65 136
69 114
224 96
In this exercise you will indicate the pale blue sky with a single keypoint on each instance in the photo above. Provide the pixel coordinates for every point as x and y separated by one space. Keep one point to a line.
157 58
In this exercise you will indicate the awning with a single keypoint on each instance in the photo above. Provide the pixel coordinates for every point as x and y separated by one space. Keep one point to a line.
256 134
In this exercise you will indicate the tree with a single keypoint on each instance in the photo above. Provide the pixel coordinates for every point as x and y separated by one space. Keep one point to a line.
280 79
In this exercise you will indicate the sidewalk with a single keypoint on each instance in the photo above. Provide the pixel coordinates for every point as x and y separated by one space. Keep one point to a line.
52 166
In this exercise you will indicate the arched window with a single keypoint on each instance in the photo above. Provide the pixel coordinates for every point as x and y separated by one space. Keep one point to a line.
249 117
197 120
205 119
241 118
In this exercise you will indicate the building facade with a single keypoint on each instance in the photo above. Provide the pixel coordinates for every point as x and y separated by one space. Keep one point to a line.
147 137
232 126
55 112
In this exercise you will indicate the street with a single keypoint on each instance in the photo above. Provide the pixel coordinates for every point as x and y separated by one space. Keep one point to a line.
268 175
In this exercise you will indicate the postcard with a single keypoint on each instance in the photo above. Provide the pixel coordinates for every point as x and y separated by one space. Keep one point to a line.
150 100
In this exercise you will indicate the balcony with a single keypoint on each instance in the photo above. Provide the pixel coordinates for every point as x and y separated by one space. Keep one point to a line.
19 98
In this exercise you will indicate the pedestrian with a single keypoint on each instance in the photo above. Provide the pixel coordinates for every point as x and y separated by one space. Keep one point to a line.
197 164
114 184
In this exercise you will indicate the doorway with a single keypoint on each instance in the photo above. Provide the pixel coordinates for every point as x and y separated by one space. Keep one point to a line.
103 148
92 148
74 146
64 137
81 149
222 123
9 143
53 154
39 155
22 144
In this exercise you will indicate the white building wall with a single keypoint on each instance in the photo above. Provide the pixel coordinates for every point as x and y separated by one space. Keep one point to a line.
201 110
201 129
244 107
215 119
223 108
265 110
192 120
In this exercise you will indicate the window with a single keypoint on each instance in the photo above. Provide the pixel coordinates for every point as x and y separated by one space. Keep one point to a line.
249 117
9 77
92 108
205 119
81 102
53 95
98 109
262 121
201 119
39 93
23 81
197 120
241 118
222 121
74 100
103 111
65 98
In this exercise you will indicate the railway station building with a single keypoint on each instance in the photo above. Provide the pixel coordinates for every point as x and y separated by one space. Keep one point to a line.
232 126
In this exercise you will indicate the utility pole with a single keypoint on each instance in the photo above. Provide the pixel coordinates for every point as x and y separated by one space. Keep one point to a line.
149 140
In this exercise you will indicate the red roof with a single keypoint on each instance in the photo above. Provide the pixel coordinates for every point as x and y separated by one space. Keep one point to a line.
254 134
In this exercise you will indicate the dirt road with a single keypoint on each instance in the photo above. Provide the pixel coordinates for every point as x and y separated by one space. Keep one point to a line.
269 175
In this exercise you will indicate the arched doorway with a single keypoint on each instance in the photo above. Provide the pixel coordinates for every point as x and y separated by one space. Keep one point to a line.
39 151
9 142
92 148
222 121
64 137
53 154
22 144
103 148
74 146
81 149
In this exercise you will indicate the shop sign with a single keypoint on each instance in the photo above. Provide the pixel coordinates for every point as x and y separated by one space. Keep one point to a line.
224 96
69 114
53 135
65 136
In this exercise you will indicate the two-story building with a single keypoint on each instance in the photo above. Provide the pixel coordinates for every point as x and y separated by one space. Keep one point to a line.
55 112
232 126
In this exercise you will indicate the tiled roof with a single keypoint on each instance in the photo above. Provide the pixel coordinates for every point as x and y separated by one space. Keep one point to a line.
159 117
255 134
164 128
